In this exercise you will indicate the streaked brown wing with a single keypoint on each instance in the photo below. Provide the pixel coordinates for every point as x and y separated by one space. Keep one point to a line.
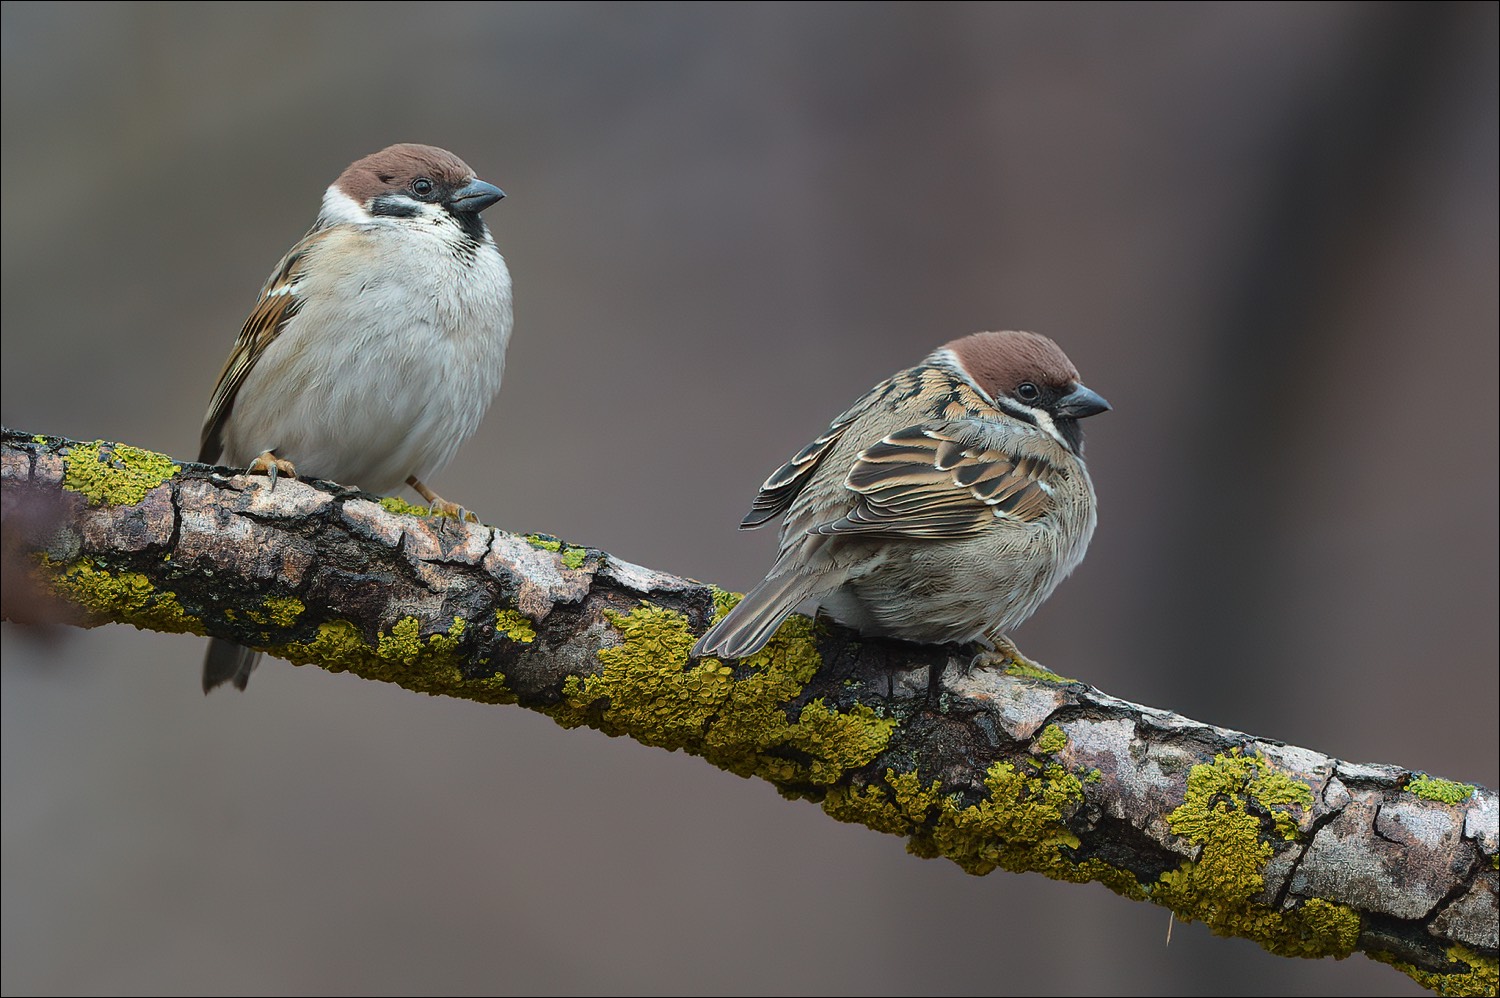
779 491
942 480
278 303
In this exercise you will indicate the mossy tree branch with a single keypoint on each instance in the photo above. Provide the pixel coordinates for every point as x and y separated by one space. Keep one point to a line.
1017 769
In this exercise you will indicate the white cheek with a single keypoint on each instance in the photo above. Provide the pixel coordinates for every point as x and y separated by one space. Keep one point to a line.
1045 422
339 207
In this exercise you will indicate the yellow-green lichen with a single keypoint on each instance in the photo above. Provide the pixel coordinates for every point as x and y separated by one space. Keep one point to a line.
724 600
1032 670
1279 793
515 625
401 656
650 690
128 597
900 811
1232 779
1123 882
572 557
1019 827
488 689
1481 978
1052 740
545 542
393 504
1316 928
404 643
283 611
1224 812
1446 791
117 474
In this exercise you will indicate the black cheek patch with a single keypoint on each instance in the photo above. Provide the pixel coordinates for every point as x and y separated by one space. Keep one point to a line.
393 206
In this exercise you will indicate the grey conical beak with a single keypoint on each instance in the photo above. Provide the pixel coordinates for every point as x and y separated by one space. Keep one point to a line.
474 197
1080 402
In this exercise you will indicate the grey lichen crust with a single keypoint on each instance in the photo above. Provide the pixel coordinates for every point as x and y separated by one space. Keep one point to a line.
1017 769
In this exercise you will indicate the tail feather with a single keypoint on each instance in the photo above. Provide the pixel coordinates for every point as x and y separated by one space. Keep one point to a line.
227 662
755 618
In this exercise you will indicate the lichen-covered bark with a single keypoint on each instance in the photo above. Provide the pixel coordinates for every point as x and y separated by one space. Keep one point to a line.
1013 768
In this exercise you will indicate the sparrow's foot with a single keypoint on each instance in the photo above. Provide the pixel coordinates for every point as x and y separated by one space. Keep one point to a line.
935 680
271 465
1004 655
437 504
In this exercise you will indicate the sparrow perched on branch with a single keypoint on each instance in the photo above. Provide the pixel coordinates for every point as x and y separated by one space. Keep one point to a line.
943 507
377 343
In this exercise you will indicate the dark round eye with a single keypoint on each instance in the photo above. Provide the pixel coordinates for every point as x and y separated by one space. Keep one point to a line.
1027 392
422 187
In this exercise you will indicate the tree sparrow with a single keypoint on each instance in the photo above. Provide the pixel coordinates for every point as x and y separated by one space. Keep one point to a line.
944 507
376 345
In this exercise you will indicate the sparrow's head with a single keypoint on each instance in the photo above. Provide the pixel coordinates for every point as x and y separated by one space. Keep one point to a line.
410 181
1031 378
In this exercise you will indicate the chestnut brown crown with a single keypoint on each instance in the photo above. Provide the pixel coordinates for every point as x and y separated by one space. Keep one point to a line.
1032 379
395 168
1000 362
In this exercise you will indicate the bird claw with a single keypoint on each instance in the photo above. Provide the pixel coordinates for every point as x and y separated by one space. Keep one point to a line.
442 507
438 506
1004 655
270 465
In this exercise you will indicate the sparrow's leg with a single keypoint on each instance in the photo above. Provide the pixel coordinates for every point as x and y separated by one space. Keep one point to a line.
438 504
935 680
1004 654
269 464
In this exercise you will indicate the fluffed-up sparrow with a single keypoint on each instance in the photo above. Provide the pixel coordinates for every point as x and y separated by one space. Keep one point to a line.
377 343
943 507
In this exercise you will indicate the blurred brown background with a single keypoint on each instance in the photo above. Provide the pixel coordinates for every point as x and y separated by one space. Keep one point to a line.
1267 233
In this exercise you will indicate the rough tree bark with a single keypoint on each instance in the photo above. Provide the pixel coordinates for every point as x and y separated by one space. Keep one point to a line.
1014 768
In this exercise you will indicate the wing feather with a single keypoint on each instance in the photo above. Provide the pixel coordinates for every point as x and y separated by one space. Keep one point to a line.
787 482
279 301
943 480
